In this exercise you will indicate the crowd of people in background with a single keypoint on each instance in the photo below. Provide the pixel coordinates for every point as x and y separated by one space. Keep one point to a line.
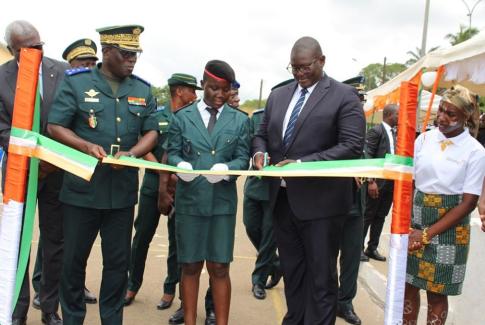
300 227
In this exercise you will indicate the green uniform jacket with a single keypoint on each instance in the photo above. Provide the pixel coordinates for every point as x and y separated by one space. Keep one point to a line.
85 104
188 140
256 188
164 118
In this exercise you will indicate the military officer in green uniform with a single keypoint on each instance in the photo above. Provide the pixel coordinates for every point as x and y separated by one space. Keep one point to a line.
101 111
182 92
258 220
208 135
81 53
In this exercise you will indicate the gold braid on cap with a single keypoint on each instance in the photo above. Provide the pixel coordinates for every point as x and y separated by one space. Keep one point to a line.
466 102
80 50
128 40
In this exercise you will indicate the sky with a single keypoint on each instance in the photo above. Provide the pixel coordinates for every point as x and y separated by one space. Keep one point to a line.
254 37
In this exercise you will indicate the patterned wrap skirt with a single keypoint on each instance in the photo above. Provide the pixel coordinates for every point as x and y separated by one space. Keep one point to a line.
440 266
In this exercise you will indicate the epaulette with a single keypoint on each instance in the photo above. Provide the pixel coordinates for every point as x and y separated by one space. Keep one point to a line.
238 109
75 71
283 83
258 111
144 81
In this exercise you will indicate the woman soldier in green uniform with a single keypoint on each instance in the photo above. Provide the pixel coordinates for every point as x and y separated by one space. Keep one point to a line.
208 135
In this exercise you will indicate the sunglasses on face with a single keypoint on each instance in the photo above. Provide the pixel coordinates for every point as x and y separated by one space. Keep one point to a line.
127 54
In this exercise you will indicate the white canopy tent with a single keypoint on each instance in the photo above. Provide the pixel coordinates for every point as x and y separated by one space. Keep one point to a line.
464 64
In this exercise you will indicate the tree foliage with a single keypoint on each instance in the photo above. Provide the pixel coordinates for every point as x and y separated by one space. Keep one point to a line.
373 73
252 105
462 35
162 94
416 55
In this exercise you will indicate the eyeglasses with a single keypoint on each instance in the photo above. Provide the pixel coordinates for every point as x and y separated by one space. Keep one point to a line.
127 54
38 46
302 68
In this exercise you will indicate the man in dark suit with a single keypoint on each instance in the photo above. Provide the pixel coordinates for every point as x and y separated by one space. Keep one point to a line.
311 119
381 140
21 34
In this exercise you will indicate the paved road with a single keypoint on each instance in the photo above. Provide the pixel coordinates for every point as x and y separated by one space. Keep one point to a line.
245 309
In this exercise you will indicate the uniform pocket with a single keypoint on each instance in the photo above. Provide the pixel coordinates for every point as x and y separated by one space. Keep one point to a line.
92 115
227 141
135 118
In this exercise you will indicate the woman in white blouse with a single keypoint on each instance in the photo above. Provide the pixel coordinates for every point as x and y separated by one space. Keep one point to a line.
449 171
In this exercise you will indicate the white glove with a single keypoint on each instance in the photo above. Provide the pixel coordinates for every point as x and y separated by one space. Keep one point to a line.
217 178
183 176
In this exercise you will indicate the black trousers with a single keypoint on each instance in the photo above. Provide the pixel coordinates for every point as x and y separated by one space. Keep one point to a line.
81 227
258 222
376 211
51 232
308 256
350 247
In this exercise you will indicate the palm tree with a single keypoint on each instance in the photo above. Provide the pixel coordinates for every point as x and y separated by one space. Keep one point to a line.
415 55
463 35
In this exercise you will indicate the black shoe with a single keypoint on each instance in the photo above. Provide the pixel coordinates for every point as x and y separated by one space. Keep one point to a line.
259 292
51 319
363 257
374 254
164 304
177 317
19 321
275 279
36 301
210 317
89 297
349 316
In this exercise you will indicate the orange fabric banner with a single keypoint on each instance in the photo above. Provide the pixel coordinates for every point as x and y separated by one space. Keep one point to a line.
403 190
17 165
439 74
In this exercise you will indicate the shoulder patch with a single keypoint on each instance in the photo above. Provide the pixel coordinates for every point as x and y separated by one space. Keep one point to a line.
75 71
258 111
142 80
239 110
160 108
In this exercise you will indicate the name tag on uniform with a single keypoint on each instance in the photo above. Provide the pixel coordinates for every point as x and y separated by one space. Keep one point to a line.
137 101
91 100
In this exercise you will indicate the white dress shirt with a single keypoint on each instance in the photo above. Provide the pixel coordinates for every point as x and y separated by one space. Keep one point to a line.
387 127
204 113
448 165
293 102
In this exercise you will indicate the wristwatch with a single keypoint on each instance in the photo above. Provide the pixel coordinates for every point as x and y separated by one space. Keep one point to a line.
131 154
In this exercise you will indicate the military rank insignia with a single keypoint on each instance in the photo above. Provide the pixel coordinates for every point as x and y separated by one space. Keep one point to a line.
137 101
92 121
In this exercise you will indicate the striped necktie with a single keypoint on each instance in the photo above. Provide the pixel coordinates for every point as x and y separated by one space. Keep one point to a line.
293 117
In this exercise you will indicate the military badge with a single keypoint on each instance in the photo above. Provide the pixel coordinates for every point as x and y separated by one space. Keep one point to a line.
92 121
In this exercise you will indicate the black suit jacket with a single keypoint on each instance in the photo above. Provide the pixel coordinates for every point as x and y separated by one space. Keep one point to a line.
377 145
52 74
331 126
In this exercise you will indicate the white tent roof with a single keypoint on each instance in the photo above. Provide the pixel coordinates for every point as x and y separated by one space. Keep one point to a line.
464 64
